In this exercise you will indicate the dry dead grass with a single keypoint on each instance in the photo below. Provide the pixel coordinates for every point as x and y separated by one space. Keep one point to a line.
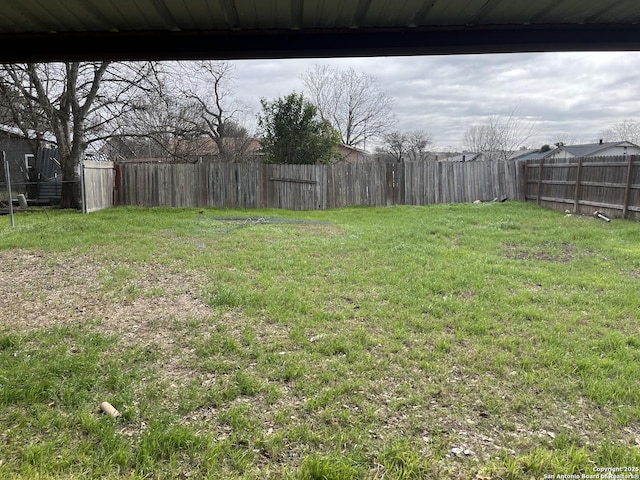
56 290
547 252
52 290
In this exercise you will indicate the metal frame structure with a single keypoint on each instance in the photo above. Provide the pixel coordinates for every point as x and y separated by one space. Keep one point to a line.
64 30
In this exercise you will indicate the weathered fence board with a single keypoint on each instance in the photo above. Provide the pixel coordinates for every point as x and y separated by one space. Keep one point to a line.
99 181
610 185
309 187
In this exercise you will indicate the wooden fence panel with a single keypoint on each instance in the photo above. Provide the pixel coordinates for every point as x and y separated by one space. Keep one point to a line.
182 185
632 191
224 181
160 185
360 181
341 187
99 183
610 185
347 187
249 179
513 190
446 182
308 187
293 187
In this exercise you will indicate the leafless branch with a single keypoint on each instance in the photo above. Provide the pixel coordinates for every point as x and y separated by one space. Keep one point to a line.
353 102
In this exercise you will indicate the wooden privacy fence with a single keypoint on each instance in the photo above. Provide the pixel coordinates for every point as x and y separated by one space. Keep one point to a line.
309 187
610 185
98 182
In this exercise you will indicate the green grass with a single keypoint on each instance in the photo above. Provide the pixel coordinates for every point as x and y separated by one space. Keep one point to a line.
498 340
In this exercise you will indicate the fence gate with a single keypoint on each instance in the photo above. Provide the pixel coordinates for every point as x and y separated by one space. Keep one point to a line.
98 181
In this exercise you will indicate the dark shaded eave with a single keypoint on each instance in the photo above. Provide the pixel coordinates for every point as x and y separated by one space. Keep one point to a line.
315 43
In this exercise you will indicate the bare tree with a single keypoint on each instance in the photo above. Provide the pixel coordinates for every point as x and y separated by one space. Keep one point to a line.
18 111
418 141
163 125
74 101
410 146
395 145
353 102
628 130
210 86
192 108
564 138
499 136
477 139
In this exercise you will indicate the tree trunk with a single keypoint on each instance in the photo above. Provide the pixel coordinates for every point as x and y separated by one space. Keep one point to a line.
71 191
223 153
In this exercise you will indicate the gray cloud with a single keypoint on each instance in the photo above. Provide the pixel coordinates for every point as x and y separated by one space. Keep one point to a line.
577 94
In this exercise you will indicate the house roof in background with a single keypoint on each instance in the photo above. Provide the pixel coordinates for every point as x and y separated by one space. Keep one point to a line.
11 130
50 30
526 154
466 157
351 148
591 149
205 145
31 134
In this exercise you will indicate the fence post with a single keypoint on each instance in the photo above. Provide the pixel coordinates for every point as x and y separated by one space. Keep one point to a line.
526 179
7 175
83 194
116 184
576 197
540 165
627 190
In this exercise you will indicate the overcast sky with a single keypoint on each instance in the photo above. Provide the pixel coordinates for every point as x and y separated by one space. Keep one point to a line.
576 95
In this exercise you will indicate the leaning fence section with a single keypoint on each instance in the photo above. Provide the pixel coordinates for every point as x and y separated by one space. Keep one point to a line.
309 187
610 185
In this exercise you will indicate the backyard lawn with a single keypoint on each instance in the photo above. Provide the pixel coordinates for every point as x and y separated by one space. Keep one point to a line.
497 341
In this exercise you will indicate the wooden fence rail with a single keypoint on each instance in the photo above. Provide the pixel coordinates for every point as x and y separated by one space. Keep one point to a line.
309 187
610 185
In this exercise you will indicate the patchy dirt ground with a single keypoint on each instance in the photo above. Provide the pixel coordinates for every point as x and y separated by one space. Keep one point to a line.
141 303
546 252
45 290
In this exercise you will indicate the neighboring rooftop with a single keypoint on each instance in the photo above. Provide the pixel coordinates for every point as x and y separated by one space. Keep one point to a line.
30 134
592 149
581 150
